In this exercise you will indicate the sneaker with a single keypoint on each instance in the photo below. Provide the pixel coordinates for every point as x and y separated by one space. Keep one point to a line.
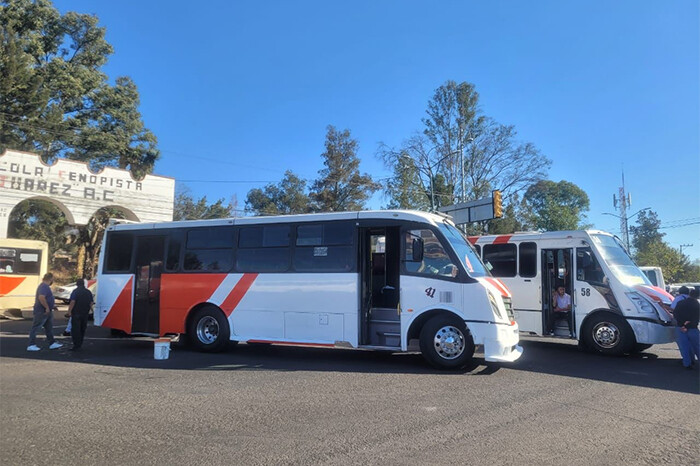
66 334
33 348
55 345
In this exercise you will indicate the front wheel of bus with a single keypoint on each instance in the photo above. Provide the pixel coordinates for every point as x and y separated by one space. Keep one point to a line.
208 330
608 334
446 343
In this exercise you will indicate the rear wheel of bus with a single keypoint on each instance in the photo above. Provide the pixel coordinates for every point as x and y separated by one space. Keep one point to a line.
446 343
208 330
608 334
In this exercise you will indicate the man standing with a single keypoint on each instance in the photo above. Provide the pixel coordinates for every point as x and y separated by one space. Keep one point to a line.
562 309
687 315
79 309
683 293
44 305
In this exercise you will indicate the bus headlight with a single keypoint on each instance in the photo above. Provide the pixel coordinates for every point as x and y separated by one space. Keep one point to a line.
642 304
494 306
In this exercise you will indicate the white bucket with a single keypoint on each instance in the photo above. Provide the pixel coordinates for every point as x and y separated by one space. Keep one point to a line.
161 348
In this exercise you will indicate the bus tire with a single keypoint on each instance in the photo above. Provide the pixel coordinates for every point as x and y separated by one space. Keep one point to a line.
446 343
208 330
608 334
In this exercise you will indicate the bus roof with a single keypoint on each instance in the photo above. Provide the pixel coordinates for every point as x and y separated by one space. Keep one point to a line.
410 215
535 236
22 243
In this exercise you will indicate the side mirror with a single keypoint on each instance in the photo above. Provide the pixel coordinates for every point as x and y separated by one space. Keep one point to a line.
417 247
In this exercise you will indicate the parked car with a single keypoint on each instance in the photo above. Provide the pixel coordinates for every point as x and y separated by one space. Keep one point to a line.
62 293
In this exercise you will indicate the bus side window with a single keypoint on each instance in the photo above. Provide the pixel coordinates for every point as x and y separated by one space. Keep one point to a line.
119 248
502 258
172 262
587 267
435 260
528 260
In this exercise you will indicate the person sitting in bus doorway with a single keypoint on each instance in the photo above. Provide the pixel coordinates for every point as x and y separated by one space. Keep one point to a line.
79 309
687 315
44 305
561 304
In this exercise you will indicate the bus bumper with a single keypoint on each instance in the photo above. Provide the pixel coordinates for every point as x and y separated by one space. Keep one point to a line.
500 341
652 333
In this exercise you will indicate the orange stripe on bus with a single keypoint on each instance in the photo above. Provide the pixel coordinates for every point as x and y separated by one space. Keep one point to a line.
181 292
8 284
238 292
503 239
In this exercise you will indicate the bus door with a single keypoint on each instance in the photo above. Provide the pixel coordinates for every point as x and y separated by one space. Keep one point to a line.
556 272
149 266
381 319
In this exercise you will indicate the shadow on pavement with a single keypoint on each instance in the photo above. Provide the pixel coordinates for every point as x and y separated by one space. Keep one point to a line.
657 368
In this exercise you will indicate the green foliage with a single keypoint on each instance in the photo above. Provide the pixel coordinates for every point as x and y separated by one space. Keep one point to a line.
651 250
187 208
285 198
552 206
40 220
646 232
455 132
90 237
340 186
54 98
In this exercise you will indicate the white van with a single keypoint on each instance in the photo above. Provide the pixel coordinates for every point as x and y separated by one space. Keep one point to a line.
614 307
655 276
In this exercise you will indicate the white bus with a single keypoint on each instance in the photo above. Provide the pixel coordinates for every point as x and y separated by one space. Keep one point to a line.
378 280
22 264
615 309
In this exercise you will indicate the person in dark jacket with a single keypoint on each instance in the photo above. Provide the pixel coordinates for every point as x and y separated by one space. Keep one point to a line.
79 309
687 315
44 306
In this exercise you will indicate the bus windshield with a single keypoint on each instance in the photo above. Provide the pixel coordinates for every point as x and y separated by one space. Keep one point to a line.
620 263
470 260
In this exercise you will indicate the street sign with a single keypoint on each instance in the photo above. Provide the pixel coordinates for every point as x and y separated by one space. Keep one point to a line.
485 208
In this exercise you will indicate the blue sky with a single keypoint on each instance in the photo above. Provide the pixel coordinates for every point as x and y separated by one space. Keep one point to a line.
239 92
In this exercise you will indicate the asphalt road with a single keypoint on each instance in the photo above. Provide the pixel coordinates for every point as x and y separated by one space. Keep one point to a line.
114 404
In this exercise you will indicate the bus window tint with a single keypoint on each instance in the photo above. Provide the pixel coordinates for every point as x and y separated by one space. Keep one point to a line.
465 252
263 249
172 262
435 261
587 267
210 238
29 262
208 260
502 259
324 248
119 252
528 259
7 260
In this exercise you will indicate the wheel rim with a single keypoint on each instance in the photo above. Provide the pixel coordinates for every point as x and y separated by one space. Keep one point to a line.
606 334
449 342
207 330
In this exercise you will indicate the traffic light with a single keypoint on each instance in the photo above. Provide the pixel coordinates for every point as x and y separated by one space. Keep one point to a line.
497 204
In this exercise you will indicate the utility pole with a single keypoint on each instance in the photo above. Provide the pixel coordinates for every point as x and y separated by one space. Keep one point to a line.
685 246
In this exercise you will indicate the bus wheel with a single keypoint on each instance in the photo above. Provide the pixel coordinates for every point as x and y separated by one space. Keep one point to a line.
208 330
608 334
446 343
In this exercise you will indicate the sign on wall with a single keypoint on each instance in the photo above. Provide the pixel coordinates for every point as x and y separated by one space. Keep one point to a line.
79 192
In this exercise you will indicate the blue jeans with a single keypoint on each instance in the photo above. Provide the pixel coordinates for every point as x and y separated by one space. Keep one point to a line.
42 319
689 345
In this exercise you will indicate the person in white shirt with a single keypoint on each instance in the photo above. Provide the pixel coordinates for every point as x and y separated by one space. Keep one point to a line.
561 309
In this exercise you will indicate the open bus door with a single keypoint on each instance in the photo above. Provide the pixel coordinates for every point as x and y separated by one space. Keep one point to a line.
557 271
381 319
149 267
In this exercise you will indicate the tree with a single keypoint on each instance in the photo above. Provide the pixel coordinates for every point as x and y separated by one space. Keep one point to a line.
40 220
287 197
650 249
340 185
646 232
457 132
509 223
551 206
187 208
55 99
